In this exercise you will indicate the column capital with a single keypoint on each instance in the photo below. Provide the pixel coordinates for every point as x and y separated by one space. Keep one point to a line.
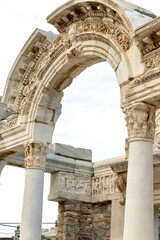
140 121
35 154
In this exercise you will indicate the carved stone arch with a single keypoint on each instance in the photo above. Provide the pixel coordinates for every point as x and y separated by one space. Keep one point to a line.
90 32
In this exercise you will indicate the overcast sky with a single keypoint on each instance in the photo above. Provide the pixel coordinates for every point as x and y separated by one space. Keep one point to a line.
91 115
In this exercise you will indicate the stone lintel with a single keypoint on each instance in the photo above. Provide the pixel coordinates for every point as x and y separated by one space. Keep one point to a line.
69 151
70 186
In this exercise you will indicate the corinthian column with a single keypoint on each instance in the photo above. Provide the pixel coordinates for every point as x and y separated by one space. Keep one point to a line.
35 158
139 197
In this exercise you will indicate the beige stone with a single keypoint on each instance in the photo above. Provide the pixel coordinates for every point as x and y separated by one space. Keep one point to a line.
127 37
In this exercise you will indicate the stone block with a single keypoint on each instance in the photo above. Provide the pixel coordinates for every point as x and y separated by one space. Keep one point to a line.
69 151
70 187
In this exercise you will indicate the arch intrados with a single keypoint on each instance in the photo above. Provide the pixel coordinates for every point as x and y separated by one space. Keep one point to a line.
67 67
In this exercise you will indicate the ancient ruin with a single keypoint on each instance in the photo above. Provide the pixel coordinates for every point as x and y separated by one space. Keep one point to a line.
116 199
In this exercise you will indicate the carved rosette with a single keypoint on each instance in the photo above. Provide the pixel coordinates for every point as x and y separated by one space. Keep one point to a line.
140 120
35 155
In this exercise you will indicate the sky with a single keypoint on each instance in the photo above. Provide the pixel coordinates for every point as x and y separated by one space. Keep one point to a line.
91 114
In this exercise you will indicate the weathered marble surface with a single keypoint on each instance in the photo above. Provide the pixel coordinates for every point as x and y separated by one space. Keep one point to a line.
69 151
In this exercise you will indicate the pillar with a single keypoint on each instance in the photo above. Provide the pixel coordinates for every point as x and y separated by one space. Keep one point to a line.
35 158
117 220
156 223
139 196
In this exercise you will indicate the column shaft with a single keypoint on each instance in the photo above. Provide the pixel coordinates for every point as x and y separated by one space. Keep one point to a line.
32 205
35 157
139 197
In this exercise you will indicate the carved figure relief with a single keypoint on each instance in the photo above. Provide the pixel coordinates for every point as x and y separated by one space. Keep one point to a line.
75 184
104 185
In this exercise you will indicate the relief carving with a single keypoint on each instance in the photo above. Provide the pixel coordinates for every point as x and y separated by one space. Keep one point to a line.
106 28
73 47
121 183
152 62
104 185
148 76
157 186
140 119
35 155
75 184
10 122
84 12
35 74
157 130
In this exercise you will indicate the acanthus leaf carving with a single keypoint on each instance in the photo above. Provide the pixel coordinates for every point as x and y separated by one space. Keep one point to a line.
140 119
105 27
121 183
35 74
35 154
152 61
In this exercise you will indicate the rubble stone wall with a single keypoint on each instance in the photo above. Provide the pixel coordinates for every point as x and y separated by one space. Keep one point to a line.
83 221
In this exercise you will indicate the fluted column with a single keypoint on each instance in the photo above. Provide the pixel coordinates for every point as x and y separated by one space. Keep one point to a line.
139 219
35 158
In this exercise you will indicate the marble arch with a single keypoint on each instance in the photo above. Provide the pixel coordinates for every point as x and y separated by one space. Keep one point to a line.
128 38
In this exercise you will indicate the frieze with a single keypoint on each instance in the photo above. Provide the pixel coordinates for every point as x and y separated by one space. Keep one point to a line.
75 184
104 185
150 75
84 12
140 119
35 74
153 61
106 28
10 122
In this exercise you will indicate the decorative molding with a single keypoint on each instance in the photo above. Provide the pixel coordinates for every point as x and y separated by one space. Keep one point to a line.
140 119
153 61
104 185
110 184
34 75
77 184
82 12
120 167
105 27
35 155
121 183
148 76
10 122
